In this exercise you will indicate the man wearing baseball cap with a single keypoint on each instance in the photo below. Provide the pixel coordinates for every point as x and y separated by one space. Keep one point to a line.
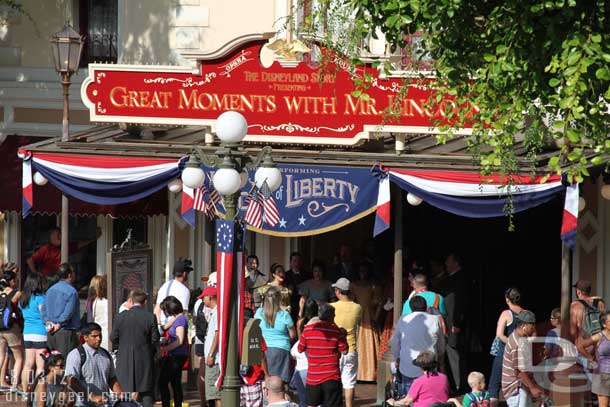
348 315
518 386
176 287
578 309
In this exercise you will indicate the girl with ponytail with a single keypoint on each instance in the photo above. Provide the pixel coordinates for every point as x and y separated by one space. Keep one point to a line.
278 330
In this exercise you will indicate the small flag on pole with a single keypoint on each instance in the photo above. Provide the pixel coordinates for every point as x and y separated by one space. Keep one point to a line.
254 213
200 198
272 215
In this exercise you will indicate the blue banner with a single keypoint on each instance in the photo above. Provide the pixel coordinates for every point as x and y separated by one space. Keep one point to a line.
316 199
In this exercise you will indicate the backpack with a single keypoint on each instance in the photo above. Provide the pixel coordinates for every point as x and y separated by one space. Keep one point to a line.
591 324
201 324
83 356
435 311
7 310
481 401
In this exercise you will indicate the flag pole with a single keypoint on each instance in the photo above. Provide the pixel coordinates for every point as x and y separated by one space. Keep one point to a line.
231 385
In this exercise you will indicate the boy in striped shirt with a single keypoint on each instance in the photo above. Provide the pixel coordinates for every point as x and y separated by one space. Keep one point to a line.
323 342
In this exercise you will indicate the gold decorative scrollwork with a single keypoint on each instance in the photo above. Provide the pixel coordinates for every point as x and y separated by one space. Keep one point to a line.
186 83
99 76
292 127
316 209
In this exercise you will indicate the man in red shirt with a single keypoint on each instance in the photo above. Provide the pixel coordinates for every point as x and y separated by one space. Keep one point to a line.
323 342
47 258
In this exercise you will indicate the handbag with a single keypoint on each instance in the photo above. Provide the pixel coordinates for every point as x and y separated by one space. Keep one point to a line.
495 347
187 363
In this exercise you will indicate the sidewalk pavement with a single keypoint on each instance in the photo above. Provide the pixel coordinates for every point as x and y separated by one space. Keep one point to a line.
365 397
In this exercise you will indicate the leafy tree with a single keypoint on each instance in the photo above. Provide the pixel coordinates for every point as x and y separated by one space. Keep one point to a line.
539 71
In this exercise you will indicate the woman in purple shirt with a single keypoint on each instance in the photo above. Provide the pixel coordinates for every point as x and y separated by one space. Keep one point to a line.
174 350
600 384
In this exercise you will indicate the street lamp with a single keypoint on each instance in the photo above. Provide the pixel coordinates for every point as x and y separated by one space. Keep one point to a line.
230 177
67 47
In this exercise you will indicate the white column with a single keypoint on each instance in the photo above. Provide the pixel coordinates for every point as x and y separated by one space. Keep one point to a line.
174 203
103 244
12 238
262 251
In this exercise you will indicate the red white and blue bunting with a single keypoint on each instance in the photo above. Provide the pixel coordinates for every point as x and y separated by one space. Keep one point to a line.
102 180
467 194
112 180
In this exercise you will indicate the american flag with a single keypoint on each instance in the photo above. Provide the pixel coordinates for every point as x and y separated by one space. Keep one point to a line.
254 213
225 233
272 215
200 199
214 200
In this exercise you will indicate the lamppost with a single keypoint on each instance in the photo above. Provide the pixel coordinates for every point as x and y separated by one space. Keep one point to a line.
232 163
67 47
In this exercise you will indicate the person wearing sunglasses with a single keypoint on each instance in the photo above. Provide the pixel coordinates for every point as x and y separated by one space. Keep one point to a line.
50 390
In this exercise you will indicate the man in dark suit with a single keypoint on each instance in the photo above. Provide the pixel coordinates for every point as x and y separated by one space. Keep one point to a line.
456 297
345 267
136 337
295 276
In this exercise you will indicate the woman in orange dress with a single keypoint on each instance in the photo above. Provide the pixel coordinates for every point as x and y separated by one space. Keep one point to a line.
367 294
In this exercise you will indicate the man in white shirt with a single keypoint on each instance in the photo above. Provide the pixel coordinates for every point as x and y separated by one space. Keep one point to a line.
176 287
415 333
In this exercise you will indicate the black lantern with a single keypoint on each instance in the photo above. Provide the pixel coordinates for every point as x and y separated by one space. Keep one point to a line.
67 50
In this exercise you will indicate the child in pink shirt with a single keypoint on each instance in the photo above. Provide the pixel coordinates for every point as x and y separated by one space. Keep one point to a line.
430 388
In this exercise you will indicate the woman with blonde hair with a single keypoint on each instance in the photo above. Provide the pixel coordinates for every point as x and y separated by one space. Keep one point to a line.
97 306
278 330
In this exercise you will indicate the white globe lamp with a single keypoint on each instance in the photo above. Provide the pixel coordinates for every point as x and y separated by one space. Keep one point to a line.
581 204
227 180
175 186
231 127
272 175
413 199
192 175
39 179
268 171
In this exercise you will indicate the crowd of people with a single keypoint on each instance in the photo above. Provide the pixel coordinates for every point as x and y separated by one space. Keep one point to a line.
323 331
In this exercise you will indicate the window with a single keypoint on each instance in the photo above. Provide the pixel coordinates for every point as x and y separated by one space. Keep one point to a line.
98 22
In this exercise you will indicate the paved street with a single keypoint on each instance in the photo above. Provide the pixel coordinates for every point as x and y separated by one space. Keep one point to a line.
365 396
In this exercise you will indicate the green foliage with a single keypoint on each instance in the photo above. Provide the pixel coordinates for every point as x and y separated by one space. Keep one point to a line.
538 71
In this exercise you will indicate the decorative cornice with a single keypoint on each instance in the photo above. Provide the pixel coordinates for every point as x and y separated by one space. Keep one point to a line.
227 48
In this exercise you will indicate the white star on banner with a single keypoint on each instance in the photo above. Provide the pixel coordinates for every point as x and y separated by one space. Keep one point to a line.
302 221
283 223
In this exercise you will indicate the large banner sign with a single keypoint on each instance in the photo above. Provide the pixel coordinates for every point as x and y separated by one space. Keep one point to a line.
295 102
315 199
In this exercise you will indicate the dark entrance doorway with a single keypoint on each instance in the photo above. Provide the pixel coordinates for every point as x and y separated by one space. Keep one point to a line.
495 259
